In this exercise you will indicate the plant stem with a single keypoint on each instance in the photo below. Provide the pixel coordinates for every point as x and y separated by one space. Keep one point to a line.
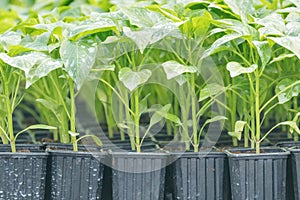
257 111
137 121
194 113
55 135
176 112
233 116
61 99
10 120
279 93
109 116
73 115
169 128
128 120
122 134
246 134
295 106
122 100
252 118
184 114
246 137
9 112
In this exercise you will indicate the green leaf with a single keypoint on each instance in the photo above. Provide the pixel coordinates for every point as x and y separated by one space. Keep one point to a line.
180 80
23 62
237 135
293 28
288 94
198 24
8 19
50 104
215 119
3 134
219 42
210 90
55 108
34 127
104 68
234 26
102 96
132 79
296 2
142 17
143 104
97 23
239 126
238 129
123 126
10 39
40 126
201 24
41 70
264 51
96 140
282 57
174 69
78 58
236 69
241 7
169 13
141 38
291 43
34 64
293 125
17 50
39 43
273 24
170 117
156 117
73 134
151 35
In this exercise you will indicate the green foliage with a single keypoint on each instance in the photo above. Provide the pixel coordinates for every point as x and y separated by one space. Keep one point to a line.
49 49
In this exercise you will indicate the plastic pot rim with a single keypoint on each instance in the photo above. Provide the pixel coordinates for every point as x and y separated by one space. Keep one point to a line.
281 152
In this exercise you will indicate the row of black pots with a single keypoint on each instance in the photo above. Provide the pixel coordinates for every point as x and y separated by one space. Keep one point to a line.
90 174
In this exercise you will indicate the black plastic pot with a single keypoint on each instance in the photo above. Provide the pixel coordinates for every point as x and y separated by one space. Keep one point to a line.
294 176
258 176
137 176
201 175
293 169
74 175
22 174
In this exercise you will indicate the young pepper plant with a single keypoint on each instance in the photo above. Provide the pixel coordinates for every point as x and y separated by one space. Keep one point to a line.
75 45
185 62
251 49
14 72
260 106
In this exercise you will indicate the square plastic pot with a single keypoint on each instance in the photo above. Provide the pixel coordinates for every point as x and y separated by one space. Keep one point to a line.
22 174
74 175
137 176
202 175
293 165
258 176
